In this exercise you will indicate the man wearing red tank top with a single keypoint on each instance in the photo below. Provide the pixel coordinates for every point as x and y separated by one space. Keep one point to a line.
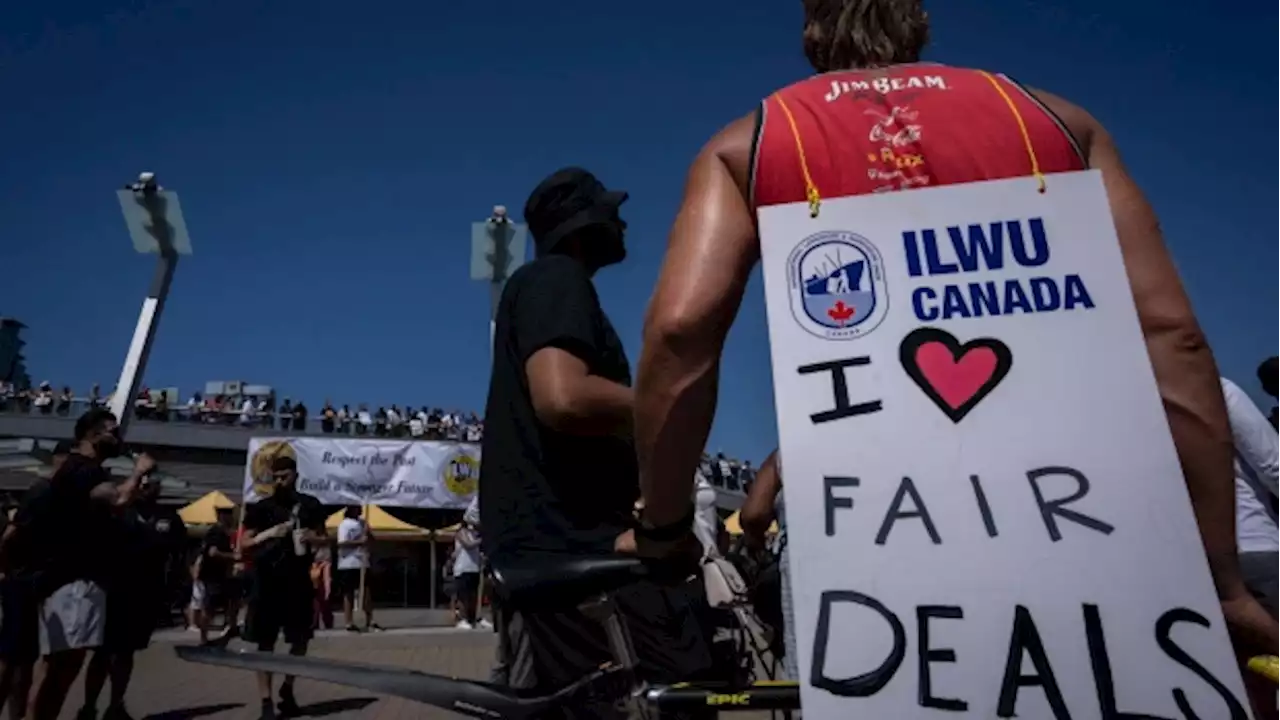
878 120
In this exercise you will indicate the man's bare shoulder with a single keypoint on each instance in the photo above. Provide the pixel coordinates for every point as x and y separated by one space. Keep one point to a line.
1082 126
732 146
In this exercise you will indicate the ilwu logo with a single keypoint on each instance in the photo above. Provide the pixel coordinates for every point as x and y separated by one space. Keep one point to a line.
836 280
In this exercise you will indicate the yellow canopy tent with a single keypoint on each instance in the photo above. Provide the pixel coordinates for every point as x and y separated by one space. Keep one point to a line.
205 510
380 522
734 526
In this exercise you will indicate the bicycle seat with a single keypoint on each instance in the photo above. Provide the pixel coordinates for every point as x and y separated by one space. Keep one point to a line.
562 580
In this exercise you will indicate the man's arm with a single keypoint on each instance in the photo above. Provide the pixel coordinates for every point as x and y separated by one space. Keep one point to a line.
568 398
257 531
554 311
123 494
311 519
468 539
1185 371
254 538
710 254
758 511
211 549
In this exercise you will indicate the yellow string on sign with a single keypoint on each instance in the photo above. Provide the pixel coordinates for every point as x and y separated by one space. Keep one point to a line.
1022 127
810 189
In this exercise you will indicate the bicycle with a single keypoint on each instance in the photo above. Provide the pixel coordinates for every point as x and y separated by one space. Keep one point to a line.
593 578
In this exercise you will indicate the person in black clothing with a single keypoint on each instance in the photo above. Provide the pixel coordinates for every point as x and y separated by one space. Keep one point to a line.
19 639
62 526
558 472
214 586
280 534
147 543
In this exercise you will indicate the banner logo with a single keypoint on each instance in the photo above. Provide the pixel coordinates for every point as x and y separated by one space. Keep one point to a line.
460 474
260 465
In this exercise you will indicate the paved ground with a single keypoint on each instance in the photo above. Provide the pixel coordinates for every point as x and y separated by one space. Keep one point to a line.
165 688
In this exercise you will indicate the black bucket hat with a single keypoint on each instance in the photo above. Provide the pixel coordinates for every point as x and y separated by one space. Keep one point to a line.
567 201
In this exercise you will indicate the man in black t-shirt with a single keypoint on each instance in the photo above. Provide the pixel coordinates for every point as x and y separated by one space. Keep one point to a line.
281 532
147 542
558 472
19 613
64 524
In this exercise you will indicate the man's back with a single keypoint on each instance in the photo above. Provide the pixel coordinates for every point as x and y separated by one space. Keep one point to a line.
544 490
68 529
905 126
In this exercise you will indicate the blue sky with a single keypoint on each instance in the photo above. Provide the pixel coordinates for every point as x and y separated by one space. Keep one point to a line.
330 157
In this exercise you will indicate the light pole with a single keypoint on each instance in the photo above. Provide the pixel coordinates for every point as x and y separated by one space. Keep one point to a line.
155 224
497 249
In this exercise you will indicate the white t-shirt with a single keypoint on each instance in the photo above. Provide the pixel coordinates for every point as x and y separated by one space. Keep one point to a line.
356 556
465 559
1256 466
416 427
706 524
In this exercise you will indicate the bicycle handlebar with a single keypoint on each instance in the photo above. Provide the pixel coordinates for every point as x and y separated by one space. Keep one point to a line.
1266 666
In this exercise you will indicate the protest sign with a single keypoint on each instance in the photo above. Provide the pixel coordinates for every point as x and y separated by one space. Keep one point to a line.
393 473
986 514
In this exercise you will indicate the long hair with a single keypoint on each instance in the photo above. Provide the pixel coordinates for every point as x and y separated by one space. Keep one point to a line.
853 34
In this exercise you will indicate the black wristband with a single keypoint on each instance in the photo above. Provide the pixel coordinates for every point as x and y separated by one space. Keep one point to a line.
666 533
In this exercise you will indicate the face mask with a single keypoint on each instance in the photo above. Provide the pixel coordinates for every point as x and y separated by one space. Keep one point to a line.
107 447
608 248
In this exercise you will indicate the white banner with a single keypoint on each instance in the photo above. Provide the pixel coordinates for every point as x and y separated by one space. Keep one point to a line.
985 511
390 473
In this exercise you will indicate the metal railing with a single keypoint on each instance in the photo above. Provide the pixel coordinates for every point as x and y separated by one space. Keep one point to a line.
254 420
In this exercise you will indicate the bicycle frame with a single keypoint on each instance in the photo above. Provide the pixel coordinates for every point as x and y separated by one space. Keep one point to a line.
465 697
484 700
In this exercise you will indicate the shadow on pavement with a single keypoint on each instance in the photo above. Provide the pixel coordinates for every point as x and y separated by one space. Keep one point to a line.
333 707
194 712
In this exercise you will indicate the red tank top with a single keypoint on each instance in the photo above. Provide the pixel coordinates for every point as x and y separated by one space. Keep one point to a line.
902 127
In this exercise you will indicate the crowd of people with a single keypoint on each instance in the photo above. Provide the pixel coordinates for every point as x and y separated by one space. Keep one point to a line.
88 565
86 562
395 421
577 463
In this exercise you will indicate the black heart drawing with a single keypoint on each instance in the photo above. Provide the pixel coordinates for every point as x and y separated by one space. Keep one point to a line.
955 377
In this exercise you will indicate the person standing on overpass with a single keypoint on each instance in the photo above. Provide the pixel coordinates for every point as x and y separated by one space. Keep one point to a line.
952 126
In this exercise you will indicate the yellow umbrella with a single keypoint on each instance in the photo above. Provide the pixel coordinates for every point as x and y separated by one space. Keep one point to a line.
205 510
380 522
734 527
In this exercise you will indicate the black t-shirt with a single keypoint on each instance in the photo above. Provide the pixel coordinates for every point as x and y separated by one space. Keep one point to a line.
66 534
543 490
212 568
147 539
274 561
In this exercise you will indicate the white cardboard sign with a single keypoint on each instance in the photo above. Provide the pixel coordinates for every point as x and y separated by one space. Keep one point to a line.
985 511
